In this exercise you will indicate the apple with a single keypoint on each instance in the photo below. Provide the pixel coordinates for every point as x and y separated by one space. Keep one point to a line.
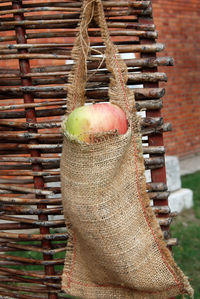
83 122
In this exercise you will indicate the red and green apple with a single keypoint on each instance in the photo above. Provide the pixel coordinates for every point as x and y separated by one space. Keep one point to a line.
83 122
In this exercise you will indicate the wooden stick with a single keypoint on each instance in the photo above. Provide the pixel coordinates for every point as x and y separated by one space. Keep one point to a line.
153 149
151 121
56 24
29 181
156 186
138 4
164 221
75 15
55 148
166 127
76 6
33 22
140 93
150 187
161 209
26 289
30 201
147 77
28 173
37 9
19 147
27 151
37 249
68 23
32 89
71 24
157 47
61 77
25 125
55 236
98 81
172 242
58 138
30 159
31 46
156 166
17 181
149 105
158 195
141 105
16 91
28 166
31 105
145 34
30 274
17 210
52 223
141 9
27 136
148 161
5 192
55 136
49 103
154 161
26 190
16 226
145 122
34 281
91 65
34 56
10 295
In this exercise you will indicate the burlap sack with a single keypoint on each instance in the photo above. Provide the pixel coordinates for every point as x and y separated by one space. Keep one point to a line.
115 247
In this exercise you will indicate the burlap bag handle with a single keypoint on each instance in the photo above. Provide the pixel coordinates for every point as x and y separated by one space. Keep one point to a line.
118 92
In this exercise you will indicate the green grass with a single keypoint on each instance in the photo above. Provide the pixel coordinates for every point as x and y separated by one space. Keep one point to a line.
192 182
186 227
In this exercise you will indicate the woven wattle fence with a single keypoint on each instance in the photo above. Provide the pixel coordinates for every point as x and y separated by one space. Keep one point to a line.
36 39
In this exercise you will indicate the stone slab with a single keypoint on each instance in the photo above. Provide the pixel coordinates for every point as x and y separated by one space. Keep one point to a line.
173 173
180 200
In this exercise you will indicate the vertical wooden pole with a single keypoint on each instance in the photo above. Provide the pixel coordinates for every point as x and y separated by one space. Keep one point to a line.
159 174
31 117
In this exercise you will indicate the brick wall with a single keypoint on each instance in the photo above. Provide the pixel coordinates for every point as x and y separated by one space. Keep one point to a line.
178 25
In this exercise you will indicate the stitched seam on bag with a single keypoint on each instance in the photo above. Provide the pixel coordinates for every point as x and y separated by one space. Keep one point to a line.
73 260
179 284
117 287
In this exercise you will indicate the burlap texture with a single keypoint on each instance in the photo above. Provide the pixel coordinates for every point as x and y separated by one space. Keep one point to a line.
115 247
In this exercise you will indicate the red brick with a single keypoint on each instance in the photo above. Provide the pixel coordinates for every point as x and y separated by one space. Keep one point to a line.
178 24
